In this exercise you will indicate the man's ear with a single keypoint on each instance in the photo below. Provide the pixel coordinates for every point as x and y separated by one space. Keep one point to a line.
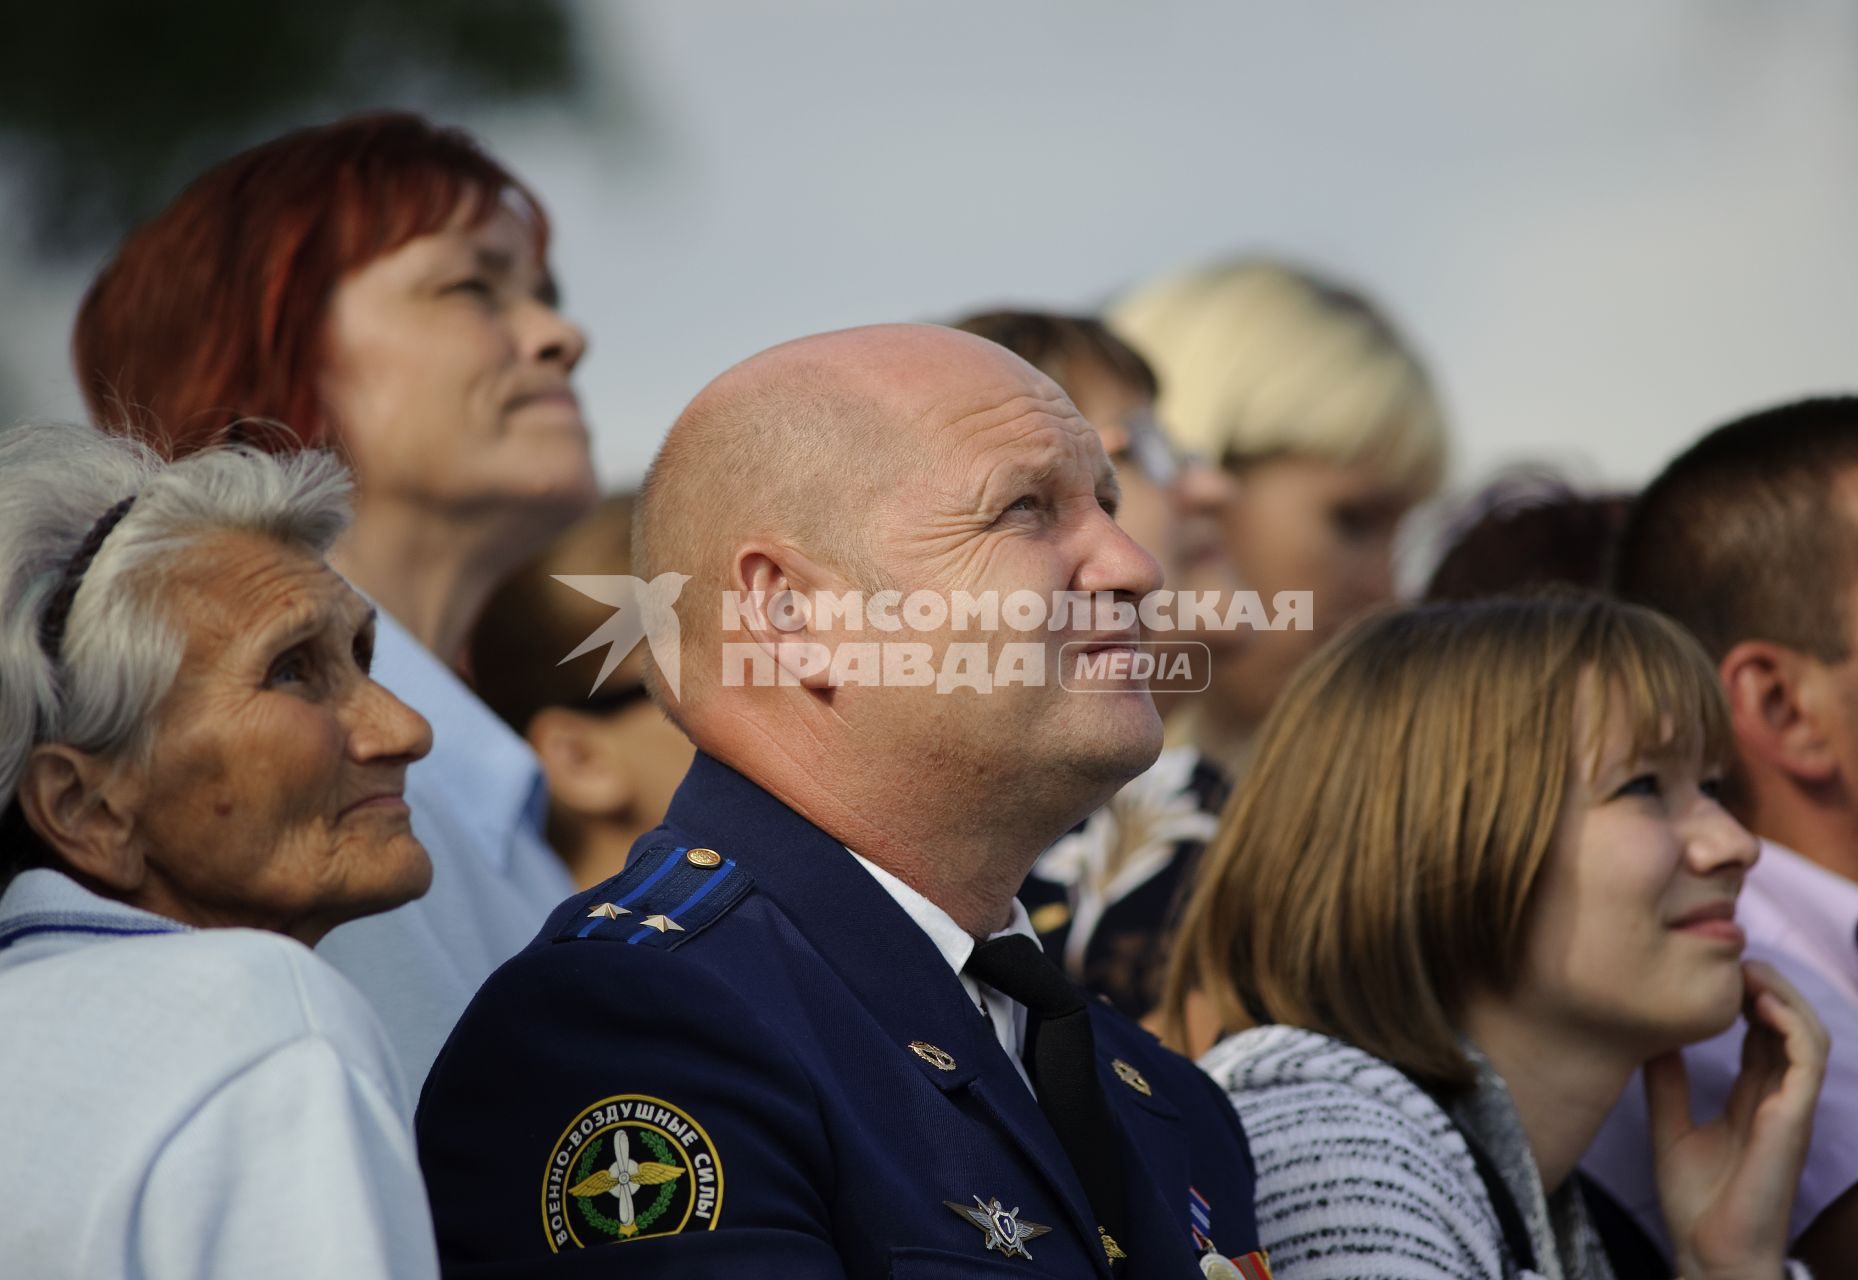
84 810
585 775
1778 703
786 583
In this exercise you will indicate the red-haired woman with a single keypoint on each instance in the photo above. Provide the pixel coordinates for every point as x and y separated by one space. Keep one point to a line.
381 285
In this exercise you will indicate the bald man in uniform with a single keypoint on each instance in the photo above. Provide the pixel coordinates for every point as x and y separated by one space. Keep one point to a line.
807 1031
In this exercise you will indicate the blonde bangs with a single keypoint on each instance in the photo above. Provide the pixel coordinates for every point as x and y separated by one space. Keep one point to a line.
1657 678
1350 403
1257 359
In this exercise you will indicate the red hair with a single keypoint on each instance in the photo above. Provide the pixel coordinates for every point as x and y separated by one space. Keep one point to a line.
213 310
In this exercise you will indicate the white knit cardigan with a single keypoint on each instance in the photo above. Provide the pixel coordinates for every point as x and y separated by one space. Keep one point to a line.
1362 1176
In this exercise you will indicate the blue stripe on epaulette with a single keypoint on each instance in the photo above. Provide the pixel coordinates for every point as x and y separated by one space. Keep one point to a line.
632 895
681 911
662 886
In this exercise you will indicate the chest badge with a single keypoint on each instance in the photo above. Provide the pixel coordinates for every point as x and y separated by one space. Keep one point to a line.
940 1059
1131 1077
1003 1228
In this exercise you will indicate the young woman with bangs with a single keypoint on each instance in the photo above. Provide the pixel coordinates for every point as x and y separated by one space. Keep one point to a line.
1476 877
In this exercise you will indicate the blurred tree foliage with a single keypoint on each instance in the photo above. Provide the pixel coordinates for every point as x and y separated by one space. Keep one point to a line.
108 106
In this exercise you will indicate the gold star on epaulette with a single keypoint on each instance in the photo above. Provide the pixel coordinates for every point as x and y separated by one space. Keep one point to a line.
664 924
608 911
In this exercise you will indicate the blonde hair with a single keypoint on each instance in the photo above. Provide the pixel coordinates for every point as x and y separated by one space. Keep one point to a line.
1256 359
1376 865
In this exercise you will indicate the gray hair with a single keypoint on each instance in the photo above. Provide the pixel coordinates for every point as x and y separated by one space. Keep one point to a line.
121 651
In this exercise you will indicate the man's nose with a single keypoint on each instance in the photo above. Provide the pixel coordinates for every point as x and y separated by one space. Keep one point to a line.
1118 563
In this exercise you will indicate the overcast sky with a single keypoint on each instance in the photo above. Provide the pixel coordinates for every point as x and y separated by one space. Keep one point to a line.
1607 225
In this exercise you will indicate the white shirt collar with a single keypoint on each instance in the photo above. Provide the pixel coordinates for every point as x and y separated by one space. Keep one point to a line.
42 900
955 943
1006 1018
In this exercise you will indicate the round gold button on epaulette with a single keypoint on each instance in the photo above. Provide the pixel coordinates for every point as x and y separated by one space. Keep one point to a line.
704 858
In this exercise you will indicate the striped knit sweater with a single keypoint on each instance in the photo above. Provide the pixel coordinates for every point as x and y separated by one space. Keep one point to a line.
1361 1175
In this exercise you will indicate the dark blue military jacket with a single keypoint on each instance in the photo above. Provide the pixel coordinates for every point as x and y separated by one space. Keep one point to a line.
740 1057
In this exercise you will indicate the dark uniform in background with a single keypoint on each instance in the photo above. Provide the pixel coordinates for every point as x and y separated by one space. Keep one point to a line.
741 1057
1123 876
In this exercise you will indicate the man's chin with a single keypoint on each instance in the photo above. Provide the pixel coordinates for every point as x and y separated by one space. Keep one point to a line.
1124 749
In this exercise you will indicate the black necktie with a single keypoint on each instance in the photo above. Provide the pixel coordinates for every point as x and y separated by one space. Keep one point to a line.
1061 1058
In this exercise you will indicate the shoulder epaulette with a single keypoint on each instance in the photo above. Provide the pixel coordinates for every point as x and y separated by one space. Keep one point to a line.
665 898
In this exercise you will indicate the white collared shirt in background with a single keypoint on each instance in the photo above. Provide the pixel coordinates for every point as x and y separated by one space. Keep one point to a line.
1006 1017
478 803
1802 919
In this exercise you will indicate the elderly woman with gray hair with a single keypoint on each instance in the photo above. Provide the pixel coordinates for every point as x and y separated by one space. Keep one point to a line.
198 779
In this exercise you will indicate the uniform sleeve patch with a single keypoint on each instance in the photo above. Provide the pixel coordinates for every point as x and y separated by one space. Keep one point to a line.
627 1167
662 900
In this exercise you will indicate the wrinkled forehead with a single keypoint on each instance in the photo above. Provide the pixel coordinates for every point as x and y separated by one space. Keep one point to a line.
1016 417
236 588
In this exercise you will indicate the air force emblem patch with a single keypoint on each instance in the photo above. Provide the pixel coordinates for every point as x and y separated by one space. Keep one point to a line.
630 1166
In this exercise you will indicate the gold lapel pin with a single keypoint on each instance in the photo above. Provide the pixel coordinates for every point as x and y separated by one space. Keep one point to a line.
1131 1077
937 1058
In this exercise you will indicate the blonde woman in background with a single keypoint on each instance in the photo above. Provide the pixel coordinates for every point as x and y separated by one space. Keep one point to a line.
1307 394
1475 878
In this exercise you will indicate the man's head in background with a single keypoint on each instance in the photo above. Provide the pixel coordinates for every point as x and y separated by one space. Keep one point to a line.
1750 539
1527 530
611 757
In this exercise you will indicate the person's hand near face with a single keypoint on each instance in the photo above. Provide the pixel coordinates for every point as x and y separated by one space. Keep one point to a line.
1726 1186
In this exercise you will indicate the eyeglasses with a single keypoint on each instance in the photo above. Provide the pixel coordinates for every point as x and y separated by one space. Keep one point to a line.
1153 454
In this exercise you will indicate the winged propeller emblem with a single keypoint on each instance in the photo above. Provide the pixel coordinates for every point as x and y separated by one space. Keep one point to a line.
623 1177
